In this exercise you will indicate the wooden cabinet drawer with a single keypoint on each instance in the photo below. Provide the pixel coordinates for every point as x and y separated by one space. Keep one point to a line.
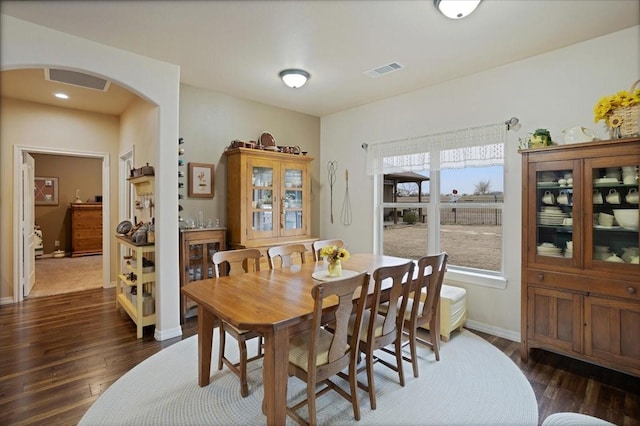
585 284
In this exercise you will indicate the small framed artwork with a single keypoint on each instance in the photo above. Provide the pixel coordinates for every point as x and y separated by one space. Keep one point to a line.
45 191
200 180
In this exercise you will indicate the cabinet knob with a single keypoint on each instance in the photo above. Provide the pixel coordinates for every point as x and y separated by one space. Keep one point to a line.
540 277
631 290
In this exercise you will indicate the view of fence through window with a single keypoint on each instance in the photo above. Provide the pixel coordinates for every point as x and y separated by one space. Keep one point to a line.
471 235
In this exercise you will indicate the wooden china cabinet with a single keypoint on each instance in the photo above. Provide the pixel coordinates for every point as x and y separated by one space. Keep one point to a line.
268 199
580 274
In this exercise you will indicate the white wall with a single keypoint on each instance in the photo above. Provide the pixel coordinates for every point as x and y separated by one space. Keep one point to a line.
26 45
555 90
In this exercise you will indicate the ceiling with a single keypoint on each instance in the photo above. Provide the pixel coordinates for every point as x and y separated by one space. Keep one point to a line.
239 47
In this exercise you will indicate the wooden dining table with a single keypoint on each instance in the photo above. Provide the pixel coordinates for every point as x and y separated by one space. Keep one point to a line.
278 304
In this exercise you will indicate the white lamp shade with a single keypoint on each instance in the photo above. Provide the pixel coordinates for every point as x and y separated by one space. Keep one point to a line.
294 78
456 9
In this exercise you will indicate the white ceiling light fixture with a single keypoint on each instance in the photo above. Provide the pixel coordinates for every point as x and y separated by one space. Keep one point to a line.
294 78
61 96
456 9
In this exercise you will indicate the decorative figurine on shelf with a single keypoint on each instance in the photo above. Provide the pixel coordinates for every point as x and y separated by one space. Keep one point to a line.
77 200
540 138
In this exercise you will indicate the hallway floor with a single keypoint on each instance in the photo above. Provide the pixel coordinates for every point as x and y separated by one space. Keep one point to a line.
66 275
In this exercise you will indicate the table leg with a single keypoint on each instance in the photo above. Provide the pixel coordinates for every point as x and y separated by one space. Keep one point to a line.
206 322
275 370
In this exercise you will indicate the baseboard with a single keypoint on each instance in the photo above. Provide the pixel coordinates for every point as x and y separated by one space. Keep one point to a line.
161 335
6 301
514 336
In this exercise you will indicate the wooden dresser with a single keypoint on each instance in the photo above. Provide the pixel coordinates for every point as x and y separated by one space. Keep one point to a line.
86 229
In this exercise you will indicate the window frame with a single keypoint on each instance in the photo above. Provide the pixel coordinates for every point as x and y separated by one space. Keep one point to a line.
460 274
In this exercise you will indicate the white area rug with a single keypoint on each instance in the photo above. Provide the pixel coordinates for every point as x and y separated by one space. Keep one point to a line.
472 384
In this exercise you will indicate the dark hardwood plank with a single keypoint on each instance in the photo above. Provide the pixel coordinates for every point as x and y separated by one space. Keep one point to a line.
59 353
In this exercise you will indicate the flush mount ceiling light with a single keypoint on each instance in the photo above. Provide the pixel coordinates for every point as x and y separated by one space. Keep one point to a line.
456 9
61 96
294 78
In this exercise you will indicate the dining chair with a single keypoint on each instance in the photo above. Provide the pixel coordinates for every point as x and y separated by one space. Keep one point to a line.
423 306
286 254
318 245
381 329
237 262
318 354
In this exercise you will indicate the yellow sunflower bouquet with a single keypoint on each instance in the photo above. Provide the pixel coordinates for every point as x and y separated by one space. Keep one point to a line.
620 111
333 253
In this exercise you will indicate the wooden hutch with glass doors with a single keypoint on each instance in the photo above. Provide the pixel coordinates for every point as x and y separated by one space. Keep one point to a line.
580 271
268 199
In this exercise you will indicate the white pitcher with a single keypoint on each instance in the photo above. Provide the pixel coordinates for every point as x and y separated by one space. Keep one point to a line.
578 134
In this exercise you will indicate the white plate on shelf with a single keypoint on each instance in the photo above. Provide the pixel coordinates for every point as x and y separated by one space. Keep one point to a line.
606 180
605 227
324 275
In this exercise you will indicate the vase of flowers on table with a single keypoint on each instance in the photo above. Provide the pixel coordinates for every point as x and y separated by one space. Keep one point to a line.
334 256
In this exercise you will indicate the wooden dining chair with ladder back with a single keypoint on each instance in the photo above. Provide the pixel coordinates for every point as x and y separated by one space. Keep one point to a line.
422 307
318 354
318 245
237 262
381 330
287 254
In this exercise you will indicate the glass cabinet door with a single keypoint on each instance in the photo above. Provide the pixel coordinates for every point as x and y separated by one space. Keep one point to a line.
262 201
613 223
292 201
200 265
556 196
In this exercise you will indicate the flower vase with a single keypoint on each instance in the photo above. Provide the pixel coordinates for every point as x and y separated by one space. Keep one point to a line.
335 268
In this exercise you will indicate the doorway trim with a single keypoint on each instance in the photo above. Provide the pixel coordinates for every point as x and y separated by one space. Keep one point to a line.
18 150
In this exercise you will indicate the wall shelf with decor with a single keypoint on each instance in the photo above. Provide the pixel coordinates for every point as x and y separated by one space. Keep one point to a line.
580 272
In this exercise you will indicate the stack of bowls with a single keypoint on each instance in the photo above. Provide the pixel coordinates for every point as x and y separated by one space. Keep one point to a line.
613 172
627 218
549 249
601 252
629 175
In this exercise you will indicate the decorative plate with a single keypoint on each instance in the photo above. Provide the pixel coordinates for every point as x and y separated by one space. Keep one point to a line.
266 139
124 227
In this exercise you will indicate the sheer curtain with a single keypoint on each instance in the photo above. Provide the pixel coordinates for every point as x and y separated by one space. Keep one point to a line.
472 147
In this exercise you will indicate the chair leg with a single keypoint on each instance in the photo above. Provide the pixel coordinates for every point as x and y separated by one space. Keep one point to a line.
434 331
221 346
398 345
370 383
311 403
353 383
244 388
414 354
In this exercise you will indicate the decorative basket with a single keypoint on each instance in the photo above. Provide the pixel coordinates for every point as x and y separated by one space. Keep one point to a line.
629 117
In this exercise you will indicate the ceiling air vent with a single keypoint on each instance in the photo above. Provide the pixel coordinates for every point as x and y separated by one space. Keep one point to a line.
75 78
384 69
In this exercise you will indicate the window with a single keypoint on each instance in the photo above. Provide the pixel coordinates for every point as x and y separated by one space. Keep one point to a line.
448 200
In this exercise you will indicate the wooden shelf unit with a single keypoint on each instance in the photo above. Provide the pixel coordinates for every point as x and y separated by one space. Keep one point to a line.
575 302
144 282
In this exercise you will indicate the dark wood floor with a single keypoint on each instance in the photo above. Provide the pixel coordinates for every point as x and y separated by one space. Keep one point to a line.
59 353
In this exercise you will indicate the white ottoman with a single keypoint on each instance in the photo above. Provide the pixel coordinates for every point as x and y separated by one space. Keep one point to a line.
453 310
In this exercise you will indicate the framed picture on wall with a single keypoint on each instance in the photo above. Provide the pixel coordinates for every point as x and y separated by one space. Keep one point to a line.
45 191
200 180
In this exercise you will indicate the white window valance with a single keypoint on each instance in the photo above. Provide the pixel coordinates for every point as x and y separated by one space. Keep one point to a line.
472 147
